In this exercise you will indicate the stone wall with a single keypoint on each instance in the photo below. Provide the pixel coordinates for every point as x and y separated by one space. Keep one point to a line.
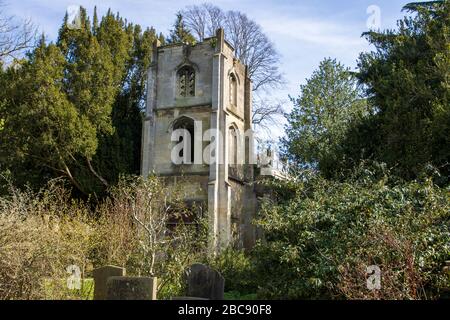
217 106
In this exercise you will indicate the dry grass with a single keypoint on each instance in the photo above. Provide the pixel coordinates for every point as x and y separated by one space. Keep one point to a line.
41 234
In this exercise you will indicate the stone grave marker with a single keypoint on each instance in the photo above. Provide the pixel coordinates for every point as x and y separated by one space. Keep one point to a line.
131 288
204 282
101 276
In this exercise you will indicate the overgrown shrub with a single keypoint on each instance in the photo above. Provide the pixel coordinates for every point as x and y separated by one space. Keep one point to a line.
237 267
134 232
320 241
41 234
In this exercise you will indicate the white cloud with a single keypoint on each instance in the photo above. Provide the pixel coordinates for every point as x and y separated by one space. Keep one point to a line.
325 34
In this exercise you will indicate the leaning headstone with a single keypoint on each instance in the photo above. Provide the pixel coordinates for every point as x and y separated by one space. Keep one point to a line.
131 288
204 282
101 276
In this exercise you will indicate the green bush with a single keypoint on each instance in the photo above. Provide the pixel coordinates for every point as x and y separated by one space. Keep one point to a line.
58 289
321 240
236 295
237 268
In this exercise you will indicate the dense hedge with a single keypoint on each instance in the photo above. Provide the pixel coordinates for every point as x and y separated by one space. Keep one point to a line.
321 238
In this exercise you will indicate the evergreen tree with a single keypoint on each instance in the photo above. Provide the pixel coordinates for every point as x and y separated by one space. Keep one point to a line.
120 153
180 33
90 82
95 22
407 82
73 108
328 104
44 130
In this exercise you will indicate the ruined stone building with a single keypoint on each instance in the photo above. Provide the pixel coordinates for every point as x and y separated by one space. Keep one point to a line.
204 88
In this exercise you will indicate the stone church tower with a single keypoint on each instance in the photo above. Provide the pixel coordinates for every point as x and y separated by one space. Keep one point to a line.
206 91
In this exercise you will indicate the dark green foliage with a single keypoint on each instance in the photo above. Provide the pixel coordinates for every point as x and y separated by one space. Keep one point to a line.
237 268
322 234
320 241
407 82
73 108
131 48
328 106
43 129
414 6
405 122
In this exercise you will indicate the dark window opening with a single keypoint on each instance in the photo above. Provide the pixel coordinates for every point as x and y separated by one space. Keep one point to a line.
233 90
188 125
186 82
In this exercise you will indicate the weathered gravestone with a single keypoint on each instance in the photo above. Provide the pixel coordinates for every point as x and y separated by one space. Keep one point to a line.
101 276
204 282
131 288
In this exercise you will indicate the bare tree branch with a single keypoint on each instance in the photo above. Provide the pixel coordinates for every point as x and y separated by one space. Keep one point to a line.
204 20
267 113
252 46
15 36
95 173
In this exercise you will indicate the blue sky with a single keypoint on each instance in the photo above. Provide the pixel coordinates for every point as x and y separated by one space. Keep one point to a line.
303 31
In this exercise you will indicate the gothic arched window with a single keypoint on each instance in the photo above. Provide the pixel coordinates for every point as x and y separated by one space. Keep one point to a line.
233 90
186 82
233 147
188 125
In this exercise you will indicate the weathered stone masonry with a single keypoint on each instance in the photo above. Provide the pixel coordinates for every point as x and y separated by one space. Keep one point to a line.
203 83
